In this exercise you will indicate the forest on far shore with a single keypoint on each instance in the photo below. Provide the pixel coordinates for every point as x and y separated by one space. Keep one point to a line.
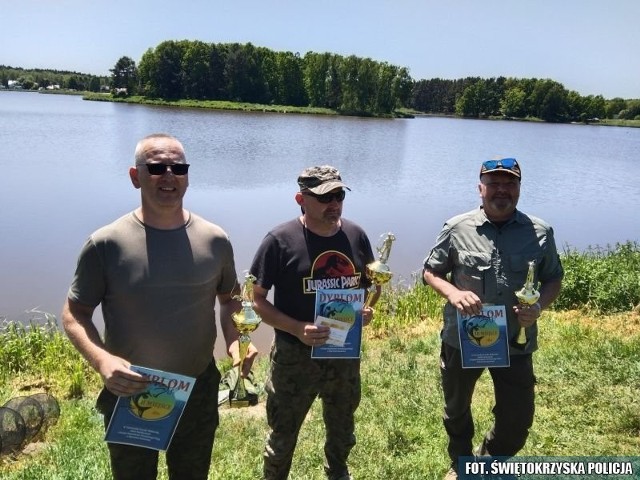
351 85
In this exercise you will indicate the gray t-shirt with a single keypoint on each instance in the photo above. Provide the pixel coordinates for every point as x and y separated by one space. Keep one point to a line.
157 289
493 262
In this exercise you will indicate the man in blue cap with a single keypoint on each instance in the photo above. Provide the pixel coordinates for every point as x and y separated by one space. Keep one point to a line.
481 257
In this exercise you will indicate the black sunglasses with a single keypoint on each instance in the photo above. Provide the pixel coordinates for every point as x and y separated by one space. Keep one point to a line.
328 197
161 168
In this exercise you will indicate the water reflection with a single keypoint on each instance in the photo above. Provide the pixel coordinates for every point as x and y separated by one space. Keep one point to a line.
66 163
265 149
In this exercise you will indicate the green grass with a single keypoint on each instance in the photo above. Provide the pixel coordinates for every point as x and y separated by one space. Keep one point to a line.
588 372
228 105
601 279
210 104
618 122
255 107
588 377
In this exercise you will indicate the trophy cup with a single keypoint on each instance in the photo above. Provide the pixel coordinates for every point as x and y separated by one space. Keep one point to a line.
527 296
378 272
246 321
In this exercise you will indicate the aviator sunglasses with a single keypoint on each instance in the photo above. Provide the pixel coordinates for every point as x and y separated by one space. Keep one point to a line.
178 169
328 197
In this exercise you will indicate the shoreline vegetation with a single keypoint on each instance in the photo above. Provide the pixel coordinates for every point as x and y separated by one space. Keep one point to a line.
587 367
260 108
288 109
245 77
208 104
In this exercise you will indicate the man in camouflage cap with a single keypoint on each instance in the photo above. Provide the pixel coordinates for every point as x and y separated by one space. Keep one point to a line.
315 249
320 180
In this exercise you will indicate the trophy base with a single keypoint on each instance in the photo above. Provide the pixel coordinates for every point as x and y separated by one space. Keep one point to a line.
239 403
518 346
243 397
240 394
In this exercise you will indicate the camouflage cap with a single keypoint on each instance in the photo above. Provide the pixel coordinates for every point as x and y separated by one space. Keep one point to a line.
320 180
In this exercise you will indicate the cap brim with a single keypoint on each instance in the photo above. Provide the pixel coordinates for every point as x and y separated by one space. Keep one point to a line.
501 170
327 187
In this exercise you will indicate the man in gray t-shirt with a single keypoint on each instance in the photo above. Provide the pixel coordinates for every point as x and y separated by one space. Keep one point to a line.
481 257
156 272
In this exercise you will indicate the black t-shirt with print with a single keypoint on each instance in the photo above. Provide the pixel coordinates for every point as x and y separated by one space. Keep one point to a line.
297 262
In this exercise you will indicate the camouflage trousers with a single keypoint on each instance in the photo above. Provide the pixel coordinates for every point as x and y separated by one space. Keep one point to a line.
295 380
189 454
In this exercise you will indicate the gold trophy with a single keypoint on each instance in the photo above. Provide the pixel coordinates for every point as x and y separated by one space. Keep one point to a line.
527 296
378 272
246 321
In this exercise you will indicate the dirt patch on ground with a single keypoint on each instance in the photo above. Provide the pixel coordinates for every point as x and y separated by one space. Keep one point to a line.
34 448
255 411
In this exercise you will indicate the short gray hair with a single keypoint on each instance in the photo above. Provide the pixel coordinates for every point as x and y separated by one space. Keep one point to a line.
139 156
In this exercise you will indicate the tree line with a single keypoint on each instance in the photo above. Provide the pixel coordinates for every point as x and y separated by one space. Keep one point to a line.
353 85
246 73
36 79
347 84
544 99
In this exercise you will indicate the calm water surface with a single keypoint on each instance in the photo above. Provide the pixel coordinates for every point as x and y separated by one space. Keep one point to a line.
65 165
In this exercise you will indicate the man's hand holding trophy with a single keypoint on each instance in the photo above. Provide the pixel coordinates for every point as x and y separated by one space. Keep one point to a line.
378 272
246 321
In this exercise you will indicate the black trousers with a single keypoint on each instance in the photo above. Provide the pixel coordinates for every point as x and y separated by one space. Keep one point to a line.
189 455
513 410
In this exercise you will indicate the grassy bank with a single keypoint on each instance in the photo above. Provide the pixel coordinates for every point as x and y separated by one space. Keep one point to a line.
615 122
210 104
588 371
228 105
256 107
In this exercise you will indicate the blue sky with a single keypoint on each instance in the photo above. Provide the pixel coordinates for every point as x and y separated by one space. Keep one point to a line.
591 46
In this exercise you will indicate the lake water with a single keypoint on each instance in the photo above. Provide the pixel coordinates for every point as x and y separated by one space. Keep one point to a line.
65 164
